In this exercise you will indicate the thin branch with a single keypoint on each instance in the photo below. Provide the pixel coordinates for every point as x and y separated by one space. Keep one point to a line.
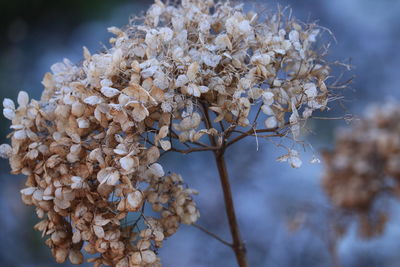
257 114
222 126
252 132
346 117
196 149
201 228
199 143
207 121
227 133
204 147
176 136
269 135
232 128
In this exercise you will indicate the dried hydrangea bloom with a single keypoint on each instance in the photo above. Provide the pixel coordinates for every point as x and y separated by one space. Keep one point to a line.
90 147
365 165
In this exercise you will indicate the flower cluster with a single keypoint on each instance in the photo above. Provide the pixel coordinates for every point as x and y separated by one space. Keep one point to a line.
365 163
90 147
85 181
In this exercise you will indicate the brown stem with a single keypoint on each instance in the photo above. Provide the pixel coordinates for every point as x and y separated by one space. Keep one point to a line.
334 254
249 133
197 149
201 228
238 245
332 243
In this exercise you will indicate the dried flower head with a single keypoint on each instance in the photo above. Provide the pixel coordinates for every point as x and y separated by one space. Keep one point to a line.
90 147
365 165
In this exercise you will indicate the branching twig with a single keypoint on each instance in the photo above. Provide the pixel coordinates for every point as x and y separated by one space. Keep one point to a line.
201 228
251 132
196 149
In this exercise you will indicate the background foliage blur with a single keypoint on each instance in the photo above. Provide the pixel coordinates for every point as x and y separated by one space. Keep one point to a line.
271 198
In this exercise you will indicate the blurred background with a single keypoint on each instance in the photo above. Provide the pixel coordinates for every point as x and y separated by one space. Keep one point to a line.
283 213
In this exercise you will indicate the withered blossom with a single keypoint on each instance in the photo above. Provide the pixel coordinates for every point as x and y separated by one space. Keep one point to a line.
365 165
90 146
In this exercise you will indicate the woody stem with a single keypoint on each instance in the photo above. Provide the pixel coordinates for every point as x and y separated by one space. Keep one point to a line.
238 245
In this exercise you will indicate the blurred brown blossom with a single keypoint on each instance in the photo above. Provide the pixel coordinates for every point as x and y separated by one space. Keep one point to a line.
365 165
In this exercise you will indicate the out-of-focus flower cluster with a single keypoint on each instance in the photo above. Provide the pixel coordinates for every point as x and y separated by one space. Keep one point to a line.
365 165
90 146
